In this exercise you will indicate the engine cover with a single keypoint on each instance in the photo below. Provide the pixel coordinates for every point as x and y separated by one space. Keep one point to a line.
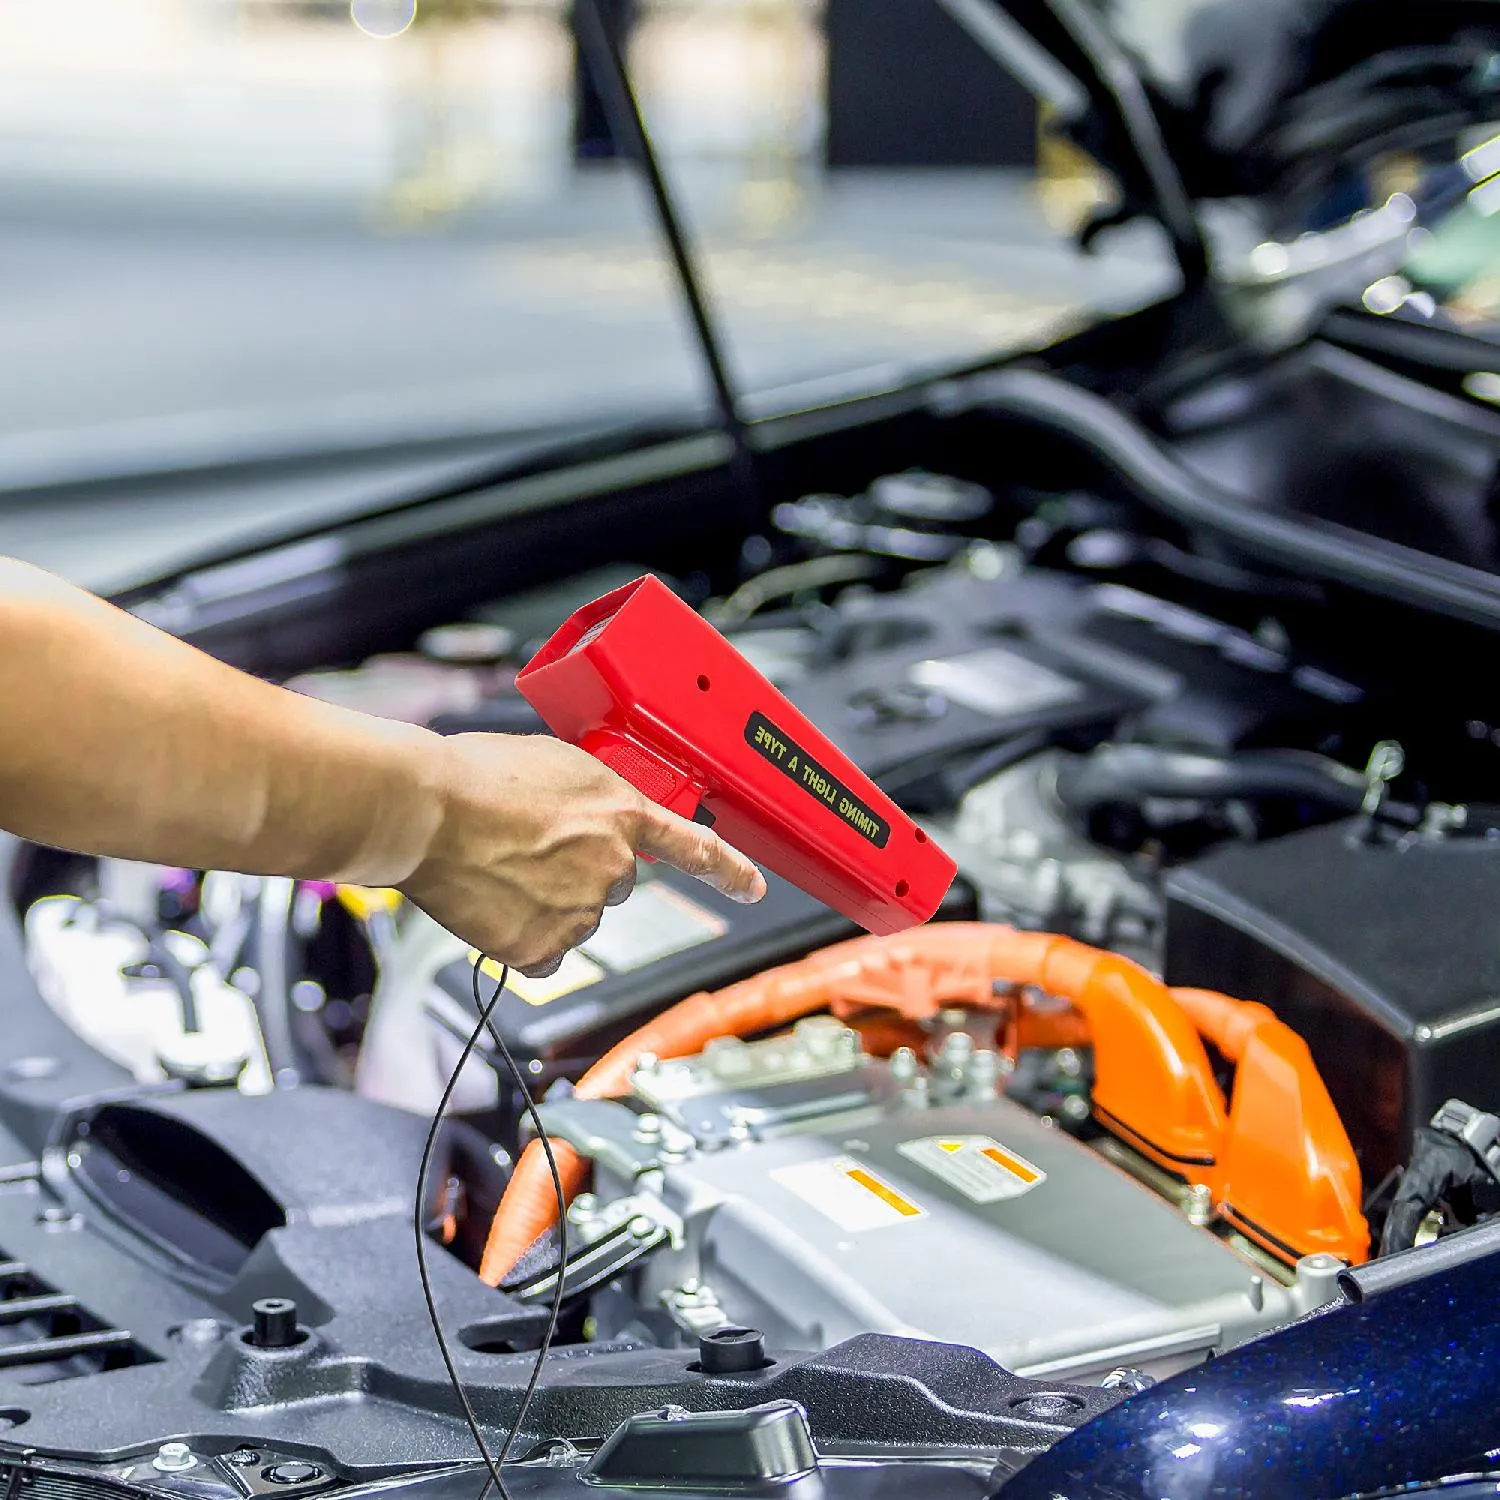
816 1192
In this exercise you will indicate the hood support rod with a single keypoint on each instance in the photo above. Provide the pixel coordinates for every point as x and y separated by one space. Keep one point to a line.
605 59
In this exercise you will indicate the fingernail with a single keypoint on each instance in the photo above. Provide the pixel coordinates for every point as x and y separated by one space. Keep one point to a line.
752 893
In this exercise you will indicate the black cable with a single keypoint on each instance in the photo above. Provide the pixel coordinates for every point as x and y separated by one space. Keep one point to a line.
485 1022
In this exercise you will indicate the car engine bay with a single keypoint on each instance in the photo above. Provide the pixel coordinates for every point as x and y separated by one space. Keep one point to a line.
1204 1026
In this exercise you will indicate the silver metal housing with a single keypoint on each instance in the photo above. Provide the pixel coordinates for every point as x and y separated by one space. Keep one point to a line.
816 1194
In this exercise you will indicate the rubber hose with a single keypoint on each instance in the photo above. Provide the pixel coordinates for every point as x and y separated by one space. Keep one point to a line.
1128 773
179 976
1157 478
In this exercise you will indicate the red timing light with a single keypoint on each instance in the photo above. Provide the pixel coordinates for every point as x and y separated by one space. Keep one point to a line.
650 688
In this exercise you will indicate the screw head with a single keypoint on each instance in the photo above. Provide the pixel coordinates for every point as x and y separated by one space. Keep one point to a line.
641 1228
293 1472
1198 1205
1048 1406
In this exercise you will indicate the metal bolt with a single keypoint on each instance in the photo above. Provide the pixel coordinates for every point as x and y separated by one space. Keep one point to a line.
1256 1292
173 1458
1198 1205
197 1331
647 1063
641 1228
648 1129
984 1074
1069 1063
958 1046
903 1065
1076 1108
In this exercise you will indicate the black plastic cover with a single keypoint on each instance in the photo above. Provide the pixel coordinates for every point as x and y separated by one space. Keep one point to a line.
708 1450
1043 651
1385 959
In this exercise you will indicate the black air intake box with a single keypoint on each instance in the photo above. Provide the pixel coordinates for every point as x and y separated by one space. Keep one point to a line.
1385 959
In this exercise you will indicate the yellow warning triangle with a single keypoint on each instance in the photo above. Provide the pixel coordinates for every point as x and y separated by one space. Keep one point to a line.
950 1146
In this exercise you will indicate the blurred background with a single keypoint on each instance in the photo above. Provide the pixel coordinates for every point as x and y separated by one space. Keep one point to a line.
242 227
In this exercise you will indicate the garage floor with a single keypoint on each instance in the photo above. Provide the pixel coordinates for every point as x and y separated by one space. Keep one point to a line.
219 243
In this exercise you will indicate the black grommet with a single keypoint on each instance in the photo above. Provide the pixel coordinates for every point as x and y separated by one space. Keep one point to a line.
732 1351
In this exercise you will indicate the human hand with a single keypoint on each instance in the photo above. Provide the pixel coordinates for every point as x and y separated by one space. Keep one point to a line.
537 838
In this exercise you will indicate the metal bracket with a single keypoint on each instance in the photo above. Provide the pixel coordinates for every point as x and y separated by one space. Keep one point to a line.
603 1131
621 1234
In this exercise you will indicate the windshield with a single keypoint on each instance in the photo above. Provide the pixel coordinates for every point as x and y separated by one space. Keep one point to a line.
245 228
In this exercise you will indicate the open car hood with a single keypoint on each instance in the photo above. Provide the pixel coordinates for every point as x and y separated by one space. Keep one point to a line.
1277 101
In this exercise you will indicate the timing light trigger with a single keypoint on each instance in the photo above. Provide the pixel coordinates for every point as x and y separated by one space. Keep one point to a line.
650 688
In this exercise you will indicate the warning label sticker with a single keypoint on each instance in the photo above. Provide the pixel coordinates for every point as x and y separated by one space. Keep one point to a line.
654 923
849 1193
778 747
980 1168
576 972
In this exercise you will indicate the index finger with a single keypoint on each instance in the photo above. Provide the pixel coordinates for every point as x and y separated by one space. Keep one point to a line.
699 852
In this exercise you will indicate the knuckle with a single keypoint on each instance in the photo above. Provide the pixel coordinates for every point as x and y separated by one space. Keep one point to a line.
537 953
543 970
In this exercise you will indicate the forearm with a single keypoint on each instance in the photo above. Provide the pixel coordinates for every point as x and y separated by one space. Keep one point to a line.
117 739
